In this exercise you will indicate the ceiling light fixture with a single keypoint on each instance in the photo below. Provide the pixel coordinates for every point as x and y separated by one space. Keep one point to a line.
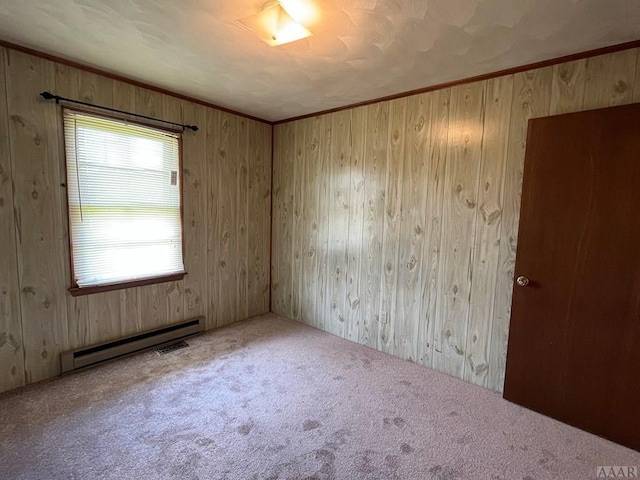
275 25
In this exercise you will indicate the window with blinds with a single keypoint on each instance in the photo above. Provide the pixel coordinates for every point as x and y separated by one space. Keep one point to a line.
123 183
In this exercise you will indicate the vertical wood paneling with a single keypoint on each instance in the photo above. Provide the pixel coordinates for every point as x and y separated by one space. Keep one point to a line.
288 189
282 220
11 343
636 83
227 239
531 98
458 225
259 223
355 251
256 192
67 84
414 199
310 218
339 192
263 225
610 79
277 264
375 166
222 216
194 186
322 249
241 219
488 221
392 223
131 314
298 220
214 212
439 138
35 136
567 91
227 235
313 181
171 110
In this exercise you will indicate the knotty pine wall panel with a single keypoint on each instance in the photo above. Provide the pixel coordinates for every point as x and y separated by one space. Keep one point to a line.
396 223
226 201
11 343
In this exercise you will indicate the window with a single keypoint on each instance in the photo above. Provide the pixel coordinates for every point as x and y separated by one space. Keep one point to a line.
124 195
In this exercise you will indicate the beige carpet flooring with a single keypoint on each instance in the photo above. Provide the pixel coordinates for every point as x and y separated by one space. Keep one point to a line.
272 399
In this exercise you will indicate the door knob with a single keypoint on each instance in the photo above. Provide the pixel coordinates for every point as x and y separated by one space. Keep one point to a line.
522 281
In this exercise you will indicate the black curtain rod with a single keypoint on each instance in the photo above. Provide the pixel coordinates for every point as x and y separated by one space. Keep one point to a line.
58 99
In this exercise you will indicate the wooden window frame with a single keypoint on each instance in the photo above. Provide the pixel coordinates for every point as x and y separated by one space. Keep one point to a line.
76 290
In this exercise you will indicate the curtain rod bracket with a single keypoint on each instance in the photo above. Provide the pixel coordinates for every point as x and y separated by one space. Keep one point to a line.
58 98
50 96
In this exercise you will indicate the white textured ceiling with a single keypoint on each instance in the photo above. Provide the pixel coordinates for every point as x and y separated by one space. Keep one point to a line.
361 50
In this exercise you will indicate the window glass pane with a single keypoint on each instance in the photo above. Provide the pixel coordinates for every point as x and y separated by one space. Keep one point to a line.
124 200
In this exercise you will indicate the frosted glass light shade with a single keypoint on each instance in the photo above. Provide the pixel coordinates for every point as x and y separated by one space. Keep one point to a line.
274 26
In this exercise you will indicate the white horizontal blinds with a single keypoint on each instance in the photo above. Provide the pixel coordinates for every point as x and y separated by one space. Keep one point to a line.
124 200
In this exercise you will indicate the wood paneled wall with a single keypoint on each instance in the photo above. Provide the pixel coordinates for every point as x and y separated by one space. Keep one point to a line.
395 224
227 189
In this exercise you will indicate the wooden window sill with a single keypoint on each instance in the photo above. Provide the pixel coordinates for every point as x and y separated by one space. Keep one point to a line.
78 291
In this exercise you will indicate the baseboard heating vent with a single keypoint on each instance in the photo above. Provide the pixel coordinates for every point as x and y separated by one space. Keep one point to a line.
96 354
171 348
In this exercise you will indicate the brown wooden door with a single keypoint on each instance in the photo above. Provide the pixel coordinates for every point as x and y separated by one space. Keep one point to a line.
574 340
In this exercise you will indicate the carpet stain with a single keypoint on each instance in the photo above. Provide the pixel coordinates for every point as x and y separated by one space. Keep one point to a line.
205 442
237 387
373 465
392 461
327 468
453 414
444 472
188 465
364 463
310 425
276 448
406 448
397 421
317 464
245 429
339 439
327 458
547 457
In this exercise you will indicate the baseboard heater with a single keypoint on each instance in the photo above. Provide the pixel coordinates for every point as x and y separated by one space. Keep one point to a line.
93 355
